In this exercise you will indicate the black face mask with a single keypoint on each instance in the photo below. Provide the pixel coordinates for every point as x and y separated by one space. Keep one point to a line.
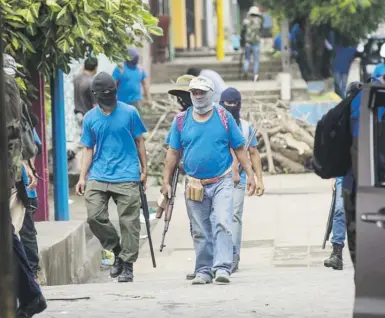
235 111
185 100
107 101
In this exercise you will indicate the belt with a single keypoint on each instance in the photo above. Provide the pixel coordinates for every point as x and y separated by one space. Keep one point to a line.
215 179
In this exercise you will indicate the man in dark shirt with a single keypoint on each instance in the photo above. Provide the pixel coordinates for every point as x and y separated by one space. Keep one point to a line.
84 99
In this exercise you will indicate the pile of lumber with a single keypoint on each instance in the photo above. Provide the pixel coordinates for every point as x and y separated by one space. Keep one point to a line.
284 141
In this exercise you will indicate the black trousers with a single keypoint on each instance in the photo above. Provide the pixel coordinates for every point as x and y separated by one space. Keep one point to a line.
26 287
28 236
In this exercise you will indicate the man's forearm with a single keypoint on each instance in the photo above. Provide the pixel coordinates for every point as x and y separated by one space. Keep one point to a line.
86 161
171 161
243 159
256 164
142 153
235 164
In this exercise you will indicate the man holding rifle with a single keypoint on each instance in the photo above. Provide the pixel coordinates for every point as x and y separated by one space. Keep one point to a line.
231 100
204 135
114 157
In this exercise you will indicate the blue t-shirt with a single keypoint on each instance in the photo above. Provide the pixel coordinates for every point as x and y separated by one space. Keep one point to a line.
206 152
32 194
115 156
343 58
253 143
130 81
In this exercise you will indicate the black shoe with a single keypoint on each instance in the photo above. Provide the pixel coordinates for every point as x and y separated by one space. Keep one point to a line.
127 275
335 260
32 308
116 268
190 276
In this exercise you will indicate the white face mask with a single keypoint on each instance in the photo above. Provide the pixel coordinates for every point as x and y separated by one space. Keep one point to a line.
203 103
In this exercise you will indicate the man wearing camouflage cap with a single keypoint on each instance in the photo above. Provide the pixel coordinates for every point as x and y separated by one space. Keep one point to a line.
28 293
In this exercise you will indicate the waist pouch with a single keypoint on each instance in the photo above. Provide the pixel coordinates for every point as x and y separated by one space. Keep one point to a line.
194 187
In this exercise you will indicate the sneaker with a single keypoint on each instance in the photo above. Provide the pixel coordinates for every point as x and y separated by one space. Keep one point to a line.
190 276
32 308
222 278
127 275
200 280
116 268
335 260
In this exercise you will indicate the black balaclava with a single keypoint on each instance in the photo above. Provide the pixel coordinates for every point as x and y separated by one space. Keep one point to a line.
184 99
232 95
104 89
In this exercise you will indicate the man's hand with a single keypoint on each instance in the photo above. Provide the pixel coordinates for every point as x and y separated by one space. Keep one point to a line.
166 190
143 179
80 187
250 186
32 180
260 188
236 178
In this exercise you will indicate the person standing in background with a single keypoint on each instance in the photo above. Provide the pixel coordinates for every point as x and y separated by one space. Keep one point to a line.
130 78
251 39
83 97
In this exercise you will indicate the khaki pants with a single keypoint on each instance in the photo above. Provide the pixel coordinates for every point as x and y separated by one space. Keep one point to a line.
17 211
127 199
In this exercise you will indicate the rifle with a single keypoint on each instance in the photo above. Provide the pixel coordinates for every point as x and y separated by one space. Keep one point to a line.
170 206
329 224
251 137
146 214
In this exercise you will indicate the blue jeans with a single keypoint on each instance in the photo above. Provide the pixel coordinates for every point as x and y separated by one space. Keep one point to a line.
339 225
251 50
340 82
211 222
239 199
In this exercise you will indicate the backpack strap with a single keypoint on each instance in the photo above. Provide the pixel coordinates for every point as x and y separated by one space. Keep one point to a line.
180 120
223 116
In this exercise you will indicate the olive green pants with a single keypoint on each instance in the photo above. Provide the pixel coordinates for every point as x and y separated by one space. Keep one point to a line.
127 199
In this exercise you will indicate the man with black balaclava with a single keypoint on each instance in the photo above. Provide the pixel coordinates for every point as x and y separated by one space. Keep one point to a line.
203 136
114 158
130 78
231 101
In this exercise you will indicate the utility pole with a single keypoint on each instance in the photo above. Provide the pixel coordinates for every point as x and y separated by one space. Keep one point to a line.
220 31
285 46
7 299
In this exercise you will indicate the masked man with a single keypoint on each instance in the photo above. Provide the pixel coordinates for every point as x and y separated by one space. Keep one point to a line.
204 135
114 157
231 101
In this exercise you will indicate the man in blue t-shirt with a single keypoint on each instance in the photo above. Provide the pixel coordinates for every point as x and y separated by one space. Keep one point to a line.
231 100
130 78
343 59
28 231
114 158
204 134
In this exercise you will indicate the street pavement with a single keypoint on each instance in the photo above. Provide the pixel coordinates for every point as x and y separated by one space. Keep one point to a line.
281 271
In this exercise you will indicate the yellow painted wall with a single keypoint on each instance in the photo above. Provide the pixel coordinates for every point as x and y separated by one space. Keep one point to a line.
198 15
178 22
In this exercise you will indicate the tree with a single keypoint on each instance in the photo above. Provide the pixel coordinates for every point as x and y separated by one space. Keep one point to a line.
352 19
44 35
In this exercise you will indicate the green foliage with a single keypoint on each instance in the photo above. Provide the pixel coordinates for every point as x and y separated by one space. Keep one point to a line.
353 18
47 34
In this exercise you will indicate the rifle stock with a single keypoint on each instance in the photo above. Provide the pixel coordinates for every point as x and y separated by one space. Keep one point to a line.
170 207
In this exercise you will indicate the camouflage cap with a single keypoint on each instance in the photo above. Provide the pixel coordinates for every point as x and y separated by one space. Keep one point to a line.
181 85
10 67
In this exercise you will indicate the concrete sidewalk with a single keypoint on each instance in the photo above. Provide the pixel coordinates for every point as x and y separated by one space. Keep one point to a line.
281 271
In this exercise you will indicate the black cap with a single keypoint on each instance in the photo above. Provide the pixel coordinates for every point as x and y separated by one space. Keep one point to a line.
103 82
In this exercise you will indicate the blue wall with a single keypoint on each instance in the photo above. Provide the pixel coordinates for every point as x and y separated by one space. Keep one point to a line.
311 112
